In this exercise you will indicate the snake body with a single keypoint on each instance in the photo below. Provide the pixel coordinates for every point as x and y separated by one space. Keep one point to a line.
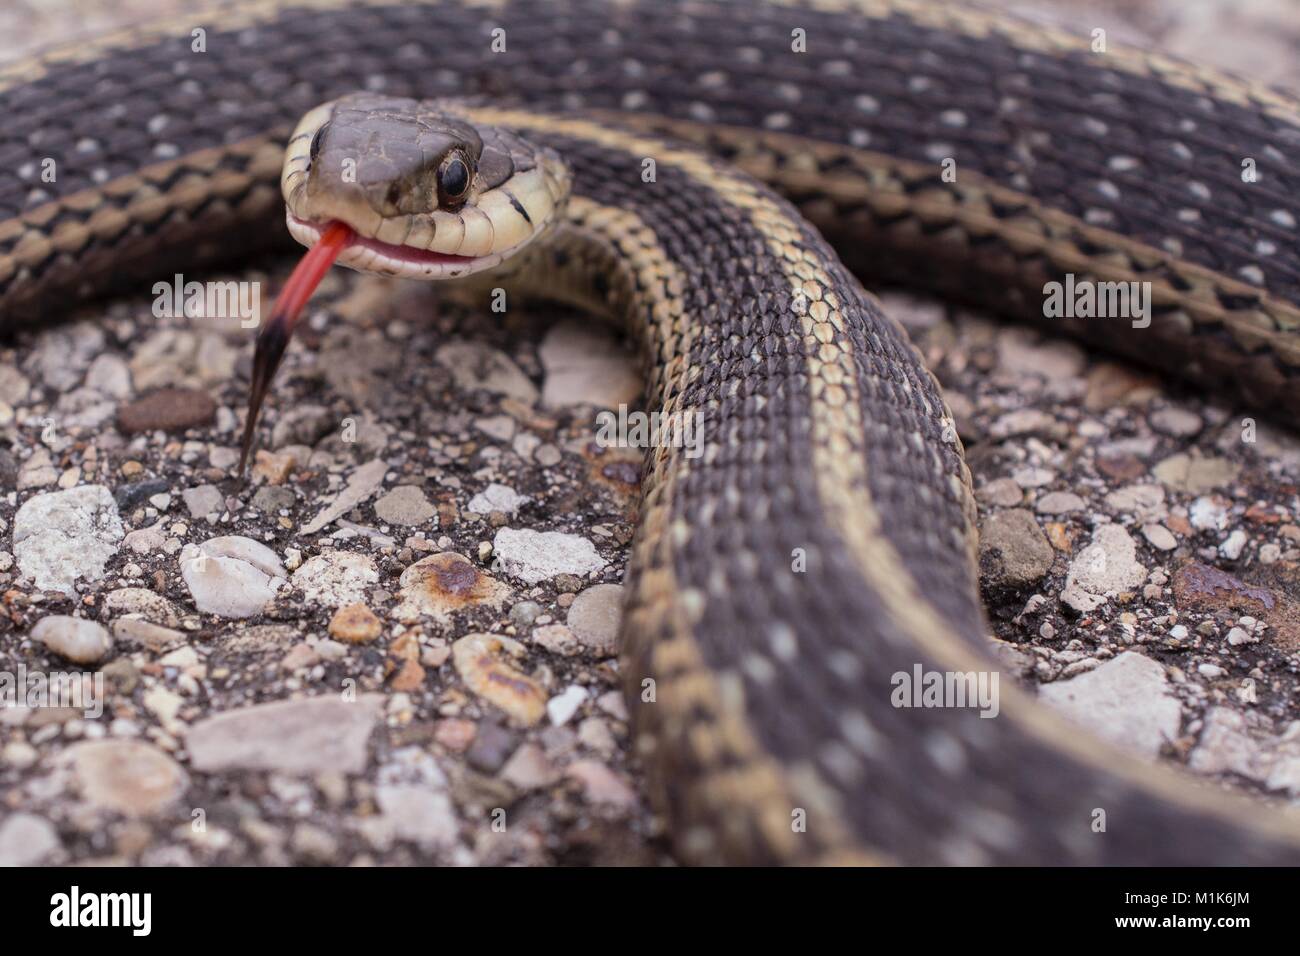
825 540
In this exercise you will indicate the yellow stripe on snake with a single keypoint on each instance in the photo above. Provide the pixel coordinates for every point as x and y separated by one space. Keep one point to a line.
793 144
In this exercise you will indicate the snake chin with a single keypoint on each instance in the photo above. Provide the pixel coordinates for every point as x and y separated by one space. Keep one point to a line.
366 254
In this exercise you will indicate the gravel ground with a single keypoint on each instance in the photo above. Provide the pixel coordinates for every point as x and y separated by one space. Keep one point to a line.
396 645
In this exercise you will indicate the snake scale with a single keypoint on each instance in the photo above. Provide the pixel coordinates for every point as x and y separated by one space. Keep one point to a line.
796 142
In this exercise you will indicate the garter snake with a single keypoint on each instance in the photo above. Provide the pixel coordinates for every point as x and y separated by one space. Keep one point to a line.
769 733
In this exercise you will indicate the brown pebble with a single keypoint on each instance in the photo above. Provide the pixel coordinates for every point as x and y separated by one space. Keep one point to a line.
274 467
1123 467
447 582
448 512
1260 513
1203 587
406 647
130 469
1059 535
409 677
479 661
168 409
355 623
1110 384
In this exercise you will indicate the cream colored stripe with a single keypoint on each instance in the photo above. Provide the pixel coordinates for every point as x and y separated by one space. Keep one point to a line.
759 788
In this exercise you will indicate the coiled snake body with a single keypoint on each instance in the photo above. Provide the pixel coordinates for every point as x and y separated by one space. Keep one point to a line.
771 736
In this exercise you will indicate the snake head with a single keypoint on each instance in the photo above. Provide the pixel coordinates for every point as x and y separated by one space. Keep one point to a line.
428 193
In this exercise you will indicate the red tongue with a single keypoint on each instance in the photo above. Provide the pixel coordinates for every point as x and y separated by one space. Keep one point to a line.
273 338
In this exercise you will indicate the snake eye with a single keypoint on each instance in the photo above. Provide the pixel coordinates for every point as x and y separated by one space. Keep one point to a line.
453 181
315 143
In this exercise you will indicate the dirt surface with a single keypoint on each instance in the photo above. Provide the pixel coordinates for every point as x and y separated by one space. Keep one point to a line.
1139 560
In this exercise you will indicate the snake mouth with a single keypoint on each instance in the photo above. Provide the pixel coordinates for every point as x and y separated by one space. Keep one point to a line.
367 254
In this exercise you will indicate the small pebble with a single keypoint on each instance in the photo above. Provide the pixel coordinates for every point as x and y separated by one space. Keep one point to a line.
75 638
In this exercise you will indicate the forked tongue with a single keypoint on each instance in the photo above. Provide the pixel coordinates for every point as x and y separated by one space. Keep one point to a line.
273 337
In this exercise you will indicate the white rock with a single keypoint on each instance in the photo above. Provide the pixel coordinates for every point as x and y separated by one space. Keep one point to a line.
601 785
335 578
586 366
1108 565
109 375
203 500
231 576
1177 422
418 814
308 736
1208 514
26 839
496 498
1238 636
145 540
1022 421
1226 747
1235 543
1021 351
1145 501
1080 600
1125 700
500 427
1059 503
1030 477
13 385
534 556
562 707
38 471
476 365
363 483
143 603
75 638
67 536
63 353
1159 537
